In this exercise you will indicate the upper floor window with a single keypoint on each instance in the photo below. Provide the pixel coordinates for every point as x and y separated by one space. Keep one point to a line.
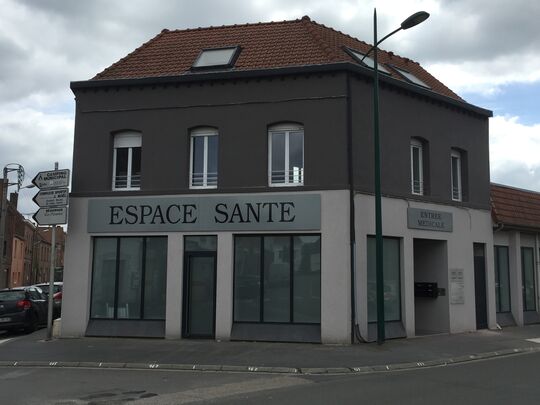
127 161
417 172
216 58
366 60
455 162
204 158
286 155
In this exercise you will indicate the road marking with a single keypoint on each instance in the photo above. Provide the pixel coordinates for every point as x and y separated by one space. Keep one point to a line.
535 340
224 390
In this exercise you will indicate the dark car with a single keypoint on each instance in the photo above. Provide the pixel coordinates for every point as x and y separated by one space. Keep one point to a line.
22 308
57 296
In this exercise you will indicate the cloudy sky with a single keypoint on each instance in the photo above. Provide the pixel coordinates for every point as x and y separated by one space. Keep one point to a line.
488 51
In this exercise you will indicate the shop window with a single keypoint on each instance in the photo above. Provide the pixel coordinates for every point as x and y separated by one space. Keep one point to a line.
502 279
455 173
129 278
286 155
417 167
391 277
204 158
277 279
529 288
127 161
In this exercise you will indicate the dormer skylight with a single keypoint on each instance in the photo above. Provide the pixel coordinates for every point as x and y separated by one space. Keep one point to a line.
410 77
370 63
216 58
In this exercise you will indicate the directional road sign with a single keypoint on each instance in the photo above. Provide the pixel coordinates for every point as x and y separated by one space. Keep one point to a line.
52 179
52 198
51 216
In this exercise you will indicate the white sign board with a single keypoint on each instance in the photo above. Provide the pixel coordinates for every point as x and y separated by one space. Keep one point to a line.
51 216
52 179
52 198
457 286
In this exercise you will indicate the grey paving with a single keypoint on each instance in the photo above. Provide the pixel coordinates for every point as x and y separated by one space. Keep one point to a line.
260 357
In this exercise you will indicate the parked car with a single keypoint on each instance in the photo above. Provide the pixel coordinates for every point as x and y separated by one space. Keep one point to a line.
57 296
22 308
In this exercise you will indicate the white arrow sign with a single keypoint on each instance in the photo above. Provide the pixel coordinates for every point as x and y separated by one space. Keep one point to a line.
51 216
52 179
52 198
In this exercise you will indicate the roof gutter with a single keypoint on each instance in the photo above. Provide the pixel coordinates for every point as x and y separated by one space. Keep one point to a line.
247 74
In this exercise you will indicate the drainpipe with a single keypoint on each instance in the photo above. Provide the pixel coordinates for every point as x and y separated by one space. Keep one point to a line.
352 211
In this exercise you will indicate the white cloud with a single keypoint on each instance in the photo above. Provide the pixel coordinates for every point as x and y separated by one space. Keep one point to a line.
515 152
487 77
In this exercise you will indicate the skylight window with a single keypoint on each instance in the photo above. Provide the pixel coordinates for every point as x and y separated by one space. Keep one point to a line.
410 77
217 57
370 63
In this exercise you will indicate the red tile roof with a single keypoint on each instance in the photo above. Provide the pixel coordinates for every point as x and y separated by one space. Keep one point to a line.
515 207
270 45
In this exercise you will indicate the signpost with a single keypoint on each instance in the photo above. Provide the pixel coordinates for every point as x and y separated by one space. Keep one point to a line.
52 200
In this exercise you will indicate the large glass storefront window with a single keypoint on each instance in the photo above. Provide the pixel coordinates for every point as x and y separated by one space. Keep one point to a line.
129 278
529 289
502 279
392 285
277 279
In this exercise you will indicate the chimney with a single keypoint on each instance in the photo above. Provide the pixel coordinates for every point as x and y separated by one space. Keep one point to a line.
14 199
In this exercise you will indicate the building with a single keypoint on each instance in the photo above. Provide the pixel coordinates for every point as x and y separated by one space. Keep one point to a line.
223 188
516 233
13 249
29 243
26 249
43 253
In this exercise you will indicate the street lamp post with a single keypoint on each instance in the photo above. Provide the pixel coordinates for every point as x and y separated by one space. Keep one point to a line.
410 22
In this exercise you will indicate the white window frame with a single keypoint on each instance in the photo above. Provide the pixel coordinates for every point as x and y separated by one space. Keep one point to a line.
455 155
416 144
287 129
129 140
203 132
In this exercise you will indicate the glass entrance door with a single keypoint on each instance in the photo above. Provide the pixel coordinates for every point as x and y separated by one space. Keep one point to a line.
199 294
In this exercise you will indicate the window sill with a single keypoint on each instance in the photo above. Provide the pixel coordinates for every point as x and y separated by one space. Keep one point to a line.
203 187
126 189
285 184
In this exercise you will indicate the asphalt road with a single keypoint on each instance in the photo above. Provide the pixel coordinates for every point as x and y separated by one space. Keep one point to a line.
506 380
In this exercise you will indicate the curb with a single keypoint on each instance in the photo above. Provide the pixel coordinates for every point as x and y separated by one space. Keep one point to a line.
275 370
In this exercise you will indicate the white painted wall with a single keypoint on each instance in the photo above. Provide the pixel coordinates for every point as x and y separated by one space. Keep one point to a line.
515 240
77 271
224 286
335 268
516 279
335 273
175 271
469 226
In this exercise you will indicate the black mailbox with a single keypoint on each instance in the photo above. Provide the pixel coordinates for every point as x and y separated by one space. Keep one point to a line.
428 290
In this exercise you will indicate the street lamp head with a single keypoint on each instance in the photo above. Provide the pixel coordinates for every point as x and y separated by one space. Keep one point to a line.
414 19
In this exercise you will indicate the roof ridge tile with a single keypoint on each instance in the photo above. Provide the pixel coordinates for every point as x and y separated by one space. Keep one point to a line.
307 23
214 27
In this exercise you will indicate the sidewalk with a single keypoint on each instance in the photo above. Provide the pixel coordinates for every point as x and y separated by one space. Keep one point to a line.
33 350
